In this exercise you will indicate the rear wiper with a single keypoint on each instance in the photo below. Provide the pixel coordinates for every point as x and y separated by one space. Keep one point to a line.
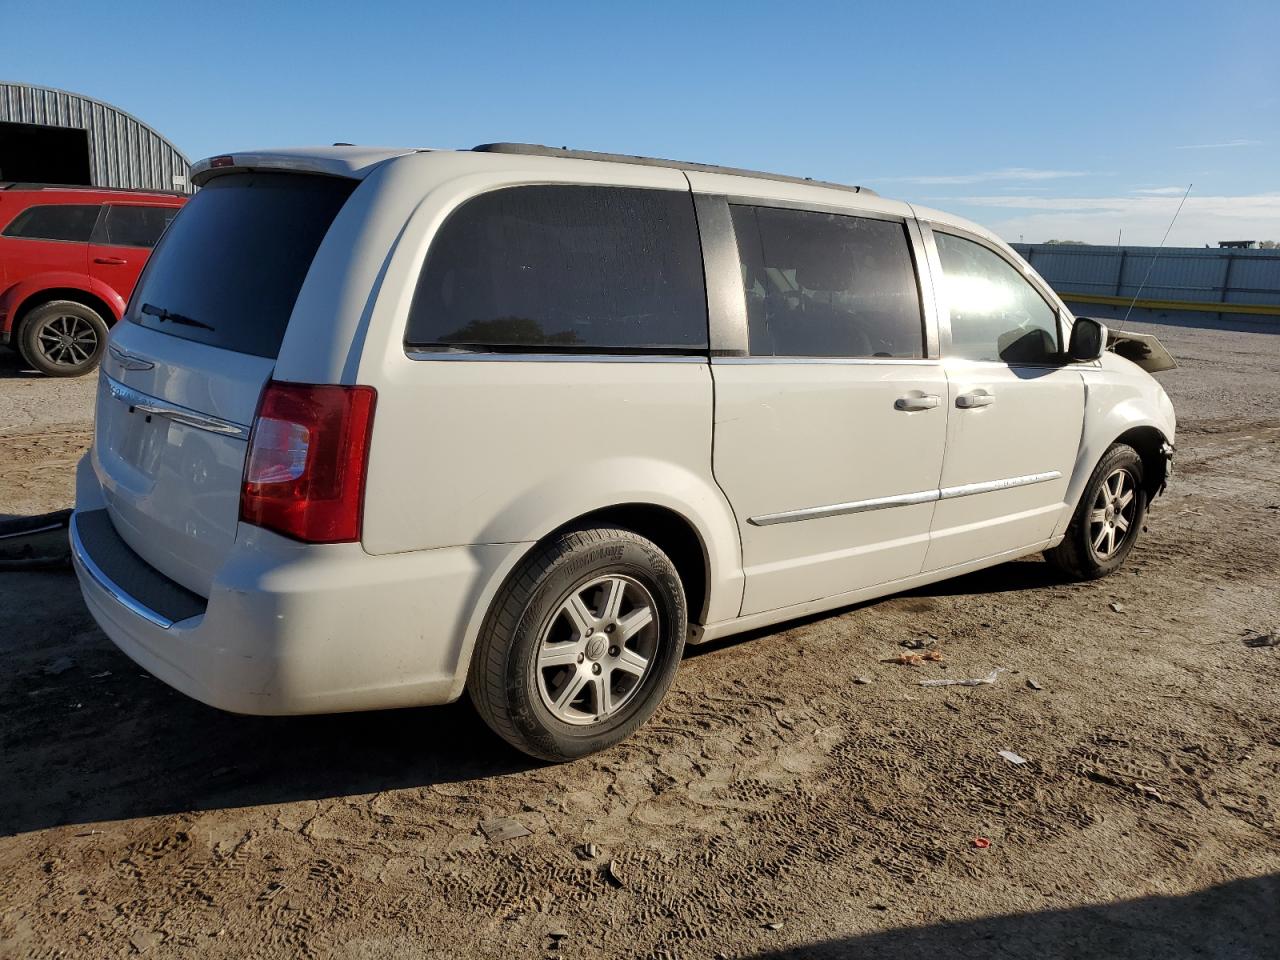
163 314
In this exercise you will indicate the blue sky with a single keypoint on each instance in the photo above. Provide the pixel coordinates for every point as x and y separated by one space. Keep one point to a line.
1069 120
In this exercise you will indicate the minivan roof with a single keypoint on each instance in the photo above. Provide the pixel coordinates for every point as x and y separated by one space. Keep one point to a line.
347 160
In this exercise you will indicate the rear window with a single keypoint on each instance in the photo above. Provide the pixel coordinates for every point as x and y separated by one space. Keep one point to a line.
228 271
572 268
71 222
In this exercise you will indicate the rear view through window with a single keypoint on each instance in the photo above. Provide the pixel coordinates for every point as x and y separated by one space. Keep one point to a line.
564 267
227 273
827 285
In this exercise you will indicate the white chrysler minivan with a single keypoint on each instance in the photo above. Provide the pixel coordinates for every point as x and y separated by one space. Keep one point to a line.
388 425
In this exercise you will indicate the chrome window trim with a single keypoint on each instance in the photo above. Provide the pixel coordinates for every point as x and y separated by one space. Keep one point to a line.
855 361
902 499
480 356
99 576
175 412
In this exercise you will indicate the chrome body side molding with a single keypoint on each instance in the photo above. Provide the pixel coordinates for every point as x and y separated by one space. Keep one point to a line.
902 499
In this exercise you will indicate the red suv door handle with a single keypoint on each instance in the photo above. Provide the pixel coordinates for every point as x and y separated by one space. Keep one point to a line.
111 261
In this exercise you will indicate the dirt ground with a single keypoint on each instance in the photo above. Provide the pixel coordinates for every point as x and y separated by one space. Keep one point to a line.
773 807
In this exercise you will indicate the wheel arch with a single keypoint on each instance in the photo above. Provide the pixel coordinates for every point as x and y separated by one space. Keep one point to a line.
1134 412
674 534
1150 442
88 298
679 536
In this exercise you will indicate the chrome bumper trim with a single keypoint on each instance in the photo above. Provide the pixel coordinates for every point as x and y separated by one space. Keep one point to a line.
99 576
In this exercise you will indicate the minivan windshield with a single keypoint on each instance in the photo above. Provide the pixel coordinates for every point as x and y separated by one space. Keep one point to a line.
228 271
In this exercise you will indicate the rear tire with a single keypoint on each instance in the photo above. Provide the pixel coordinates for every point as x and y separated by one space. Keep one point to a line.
581 644
62 338
1107 520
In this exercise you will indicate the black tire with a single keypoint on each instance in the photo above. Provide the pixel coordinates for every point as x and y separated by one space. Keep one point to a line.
1078 556
507 682
62 338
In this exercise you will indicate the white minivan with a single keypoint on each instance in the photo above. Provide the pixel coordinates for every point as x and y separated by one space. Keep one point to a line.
388 425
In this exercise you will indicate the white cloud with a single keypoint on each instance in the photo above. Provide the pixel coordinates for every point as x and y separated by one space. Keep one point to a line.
1161 191
1008 173
1142 218
1216 146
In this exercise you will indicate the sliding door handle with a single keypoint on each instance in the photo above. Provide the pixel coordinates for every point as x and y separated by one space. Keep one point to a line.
918 402
979 398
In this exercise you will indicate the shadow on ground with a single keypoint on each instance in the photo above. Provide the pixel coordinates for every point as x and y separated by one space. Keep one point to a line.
12 365
68 693
1235 921
87 736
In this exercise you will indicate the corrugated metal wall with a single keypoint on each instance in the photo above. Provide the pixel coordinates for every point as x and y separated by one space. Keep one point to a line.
123 151
1198 275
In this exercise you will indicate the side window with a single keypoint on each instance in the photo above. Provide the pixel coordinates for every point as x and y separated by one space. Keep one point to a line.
564 267
66 221
129 226
826 285
995 313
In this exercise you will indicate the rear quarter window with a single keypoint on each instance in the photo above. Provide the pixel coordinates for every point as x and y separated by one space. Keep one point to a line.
68 222
228 270
572 268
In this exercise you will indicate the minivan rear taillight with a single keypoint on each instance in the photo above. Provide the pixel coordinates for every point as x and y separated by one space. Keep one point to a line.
308 454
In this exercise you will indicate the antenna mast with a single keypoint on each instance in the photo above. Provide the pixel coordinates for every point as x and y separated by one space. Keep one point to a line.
1152 264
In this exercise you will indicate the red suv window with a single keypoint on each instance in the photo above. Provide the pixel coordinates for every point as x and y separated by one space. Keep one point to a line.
72 222
133 226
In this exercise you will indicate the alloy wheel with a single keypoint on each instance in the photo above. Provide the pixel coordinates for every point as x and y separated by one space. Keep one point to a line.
67 341
1112 515
597 649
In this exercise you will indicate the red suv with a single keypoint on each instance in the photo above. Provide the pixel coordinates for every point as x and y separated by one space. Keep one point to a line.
69 259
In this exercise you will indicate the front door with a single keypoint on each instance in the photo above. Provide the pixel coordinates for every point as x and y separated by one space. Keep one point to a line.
829 435
1016 408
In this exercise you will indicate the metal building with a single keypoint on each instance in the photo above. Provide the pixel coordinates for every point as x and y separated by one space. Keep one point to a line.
52 136
1193 284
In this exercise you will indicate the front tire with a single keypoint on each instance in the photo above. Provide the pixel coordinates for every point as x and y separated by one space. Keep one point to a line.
581 644
62 338
1108 518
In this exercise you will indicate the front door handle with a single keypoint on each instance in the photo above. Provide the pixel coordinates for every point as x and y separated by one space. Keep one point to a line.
979 398
111 261
920 402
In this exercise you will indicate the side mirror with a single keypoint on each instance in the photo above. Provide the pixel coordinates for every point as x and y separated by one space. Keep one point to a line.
1088 339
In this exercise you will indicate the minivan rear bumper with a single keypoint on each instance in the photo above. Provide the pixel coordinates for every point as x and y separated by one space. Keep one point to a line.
291 628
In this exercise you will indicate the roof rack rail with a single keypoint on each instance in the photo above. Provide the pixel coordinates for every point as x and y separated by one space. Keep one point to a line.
538 150
20 185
